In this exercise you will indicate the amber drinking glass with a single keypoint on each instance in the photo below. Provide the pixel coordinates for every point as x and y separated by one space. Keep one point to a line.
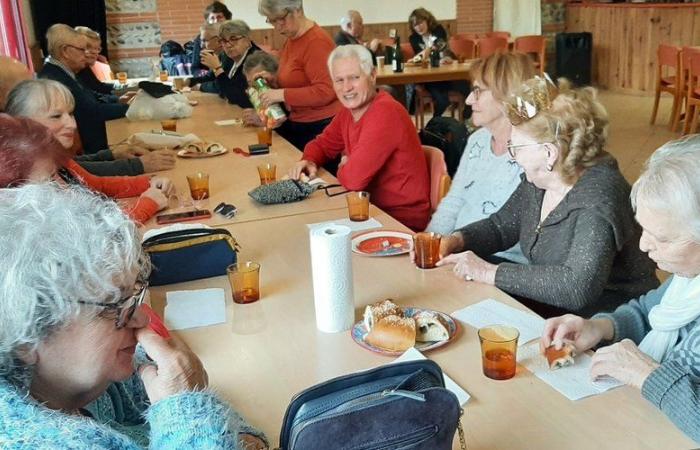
499 345
426 247
245 281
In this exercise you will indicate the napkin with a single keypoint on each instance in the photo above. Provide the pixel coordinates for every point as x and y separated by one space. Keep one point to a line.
196 308
158 140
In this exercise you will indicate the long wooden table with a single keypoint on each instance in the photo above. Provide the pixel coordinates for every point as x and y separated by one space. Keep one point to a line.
417 74
269 350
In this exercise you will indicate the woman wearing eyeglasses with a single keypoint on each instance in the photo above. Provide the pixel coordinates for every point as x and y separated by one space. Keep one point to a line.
79 368
570 213
304 84
486 176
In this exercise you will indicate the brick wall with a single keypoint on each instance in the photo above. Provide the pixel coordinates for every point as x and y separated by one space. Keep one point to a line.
474 16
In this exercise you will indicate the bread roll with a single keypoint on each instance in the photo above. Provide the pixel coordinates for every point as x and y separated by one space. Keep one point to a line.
560 358
430 327
374 313
393 333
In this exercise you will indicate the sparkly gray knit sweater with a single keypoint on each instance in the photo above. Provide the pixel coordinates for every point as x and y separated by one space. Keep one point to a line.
584 257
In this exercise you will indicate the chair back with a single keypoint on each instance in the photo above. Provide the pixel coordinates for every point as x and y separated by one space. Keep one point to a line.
694 75
462 47
407 51
439 179
532 45
472 36
490 45
668 62
501 34
684 68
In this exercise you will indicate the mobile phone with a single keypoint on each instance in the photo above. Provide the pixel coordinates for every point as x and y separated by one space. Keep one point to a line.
258 149
226 210
183 216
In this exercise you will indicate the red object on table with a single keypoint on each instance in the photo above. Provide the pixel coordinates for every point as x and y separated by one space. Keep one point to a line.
156 324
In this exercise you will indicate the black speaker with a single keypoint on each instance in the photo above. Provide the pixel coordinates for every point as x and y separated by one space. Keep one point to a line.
574 52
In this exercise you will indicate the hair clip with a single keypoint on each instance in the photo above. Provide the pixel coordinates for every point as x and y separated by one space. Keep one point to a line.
533 96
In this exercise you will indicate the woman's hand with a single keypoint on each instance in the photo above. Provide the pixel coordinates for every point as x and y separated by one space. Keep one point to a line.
164 184
209 59
177 368
158 160
250 442
271 96
251 118
468 266
308 167
583 333
624 362
157 196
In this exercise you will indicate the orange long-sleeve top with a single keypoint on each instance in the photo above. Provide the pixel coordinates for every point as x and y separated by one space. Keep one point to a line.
119 187
303 74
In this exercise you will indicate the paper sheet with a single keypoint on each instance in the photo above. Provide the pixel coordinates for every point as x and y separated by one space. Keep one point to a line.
414 355
196 308
573 382
354 226
223 123
492 312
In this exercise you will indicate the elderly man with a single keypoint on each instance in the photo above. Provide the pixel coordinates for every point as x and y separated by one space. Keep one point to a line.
203 79
380 149
67 50
12 73
351 30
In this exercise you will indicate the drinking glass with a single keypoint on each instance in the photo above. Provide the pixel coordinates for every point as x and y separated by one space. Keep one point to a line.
499 344
245 281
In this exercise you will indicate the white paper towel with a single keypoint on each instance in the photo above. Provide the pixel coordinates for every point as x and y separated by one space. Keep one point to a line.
331 266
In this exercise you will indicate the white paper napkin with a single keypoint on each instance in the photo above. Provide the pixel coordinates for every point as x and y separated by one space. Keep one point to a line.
196 308
492 312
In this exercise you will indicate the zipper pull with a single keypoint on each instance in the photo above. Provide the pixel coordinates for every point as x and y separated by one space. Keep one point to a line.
408 394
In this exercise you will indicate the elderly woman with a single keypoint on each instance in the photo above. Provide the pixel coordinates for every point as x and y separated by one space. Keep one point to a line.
391 166
234 36
93 75
72 334
52 107
303 82
486 176
657 336
570 213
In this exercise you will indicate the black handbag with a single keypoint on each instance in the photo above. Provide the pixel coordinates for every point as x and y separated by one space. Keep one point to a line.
397 406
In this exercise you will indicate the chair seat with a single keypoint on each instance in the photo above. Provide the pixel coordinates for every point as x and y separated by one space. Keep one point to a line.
668 81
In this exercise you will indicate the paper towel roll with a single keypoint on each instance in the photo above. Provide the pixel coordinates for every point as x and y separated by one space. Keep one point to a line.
331 266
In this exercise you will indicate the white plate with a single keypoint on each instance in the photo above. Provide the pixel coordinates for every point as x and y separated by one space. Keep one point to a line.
382 243
186 154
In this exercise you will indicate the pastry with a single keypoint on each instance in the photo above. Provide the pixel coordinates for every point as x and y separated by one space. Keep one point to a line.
393 333
375 312
430 327
560 358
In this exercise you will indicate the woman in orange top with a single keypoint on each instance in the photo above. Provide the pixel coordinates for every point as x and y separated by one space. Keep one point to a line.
304 83
51 104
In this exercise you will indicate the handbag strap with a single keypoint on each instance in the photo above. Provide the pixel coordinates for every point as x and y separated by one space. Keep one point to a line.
460 431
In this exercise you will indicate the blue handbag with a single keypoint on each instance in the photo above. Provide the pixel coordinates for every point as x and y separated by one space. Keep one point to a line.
190 254
398 406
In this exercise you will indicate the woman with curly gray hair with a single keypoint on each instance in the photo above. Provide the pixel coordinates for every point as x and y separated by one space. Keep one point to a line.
570 213
72 332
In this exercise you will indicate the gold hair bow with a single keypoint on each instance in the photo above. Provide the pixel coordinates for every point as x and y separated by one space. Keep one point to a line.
533 96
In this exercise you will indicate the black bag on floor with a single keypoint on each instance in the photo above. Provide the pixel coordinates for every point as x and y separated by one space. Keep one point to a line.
401 406
448 135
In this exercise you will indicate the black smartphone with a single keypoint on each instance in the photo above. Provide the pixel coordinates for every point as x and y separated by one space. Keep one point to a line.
183 216
258 149
226 210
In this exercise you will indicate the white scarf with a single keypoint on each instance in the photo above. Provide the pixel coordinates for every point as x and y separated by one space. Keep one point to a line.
679 306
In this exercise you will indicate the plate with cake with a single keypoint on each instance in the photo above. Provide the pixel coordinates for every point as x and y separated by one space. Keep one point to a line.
390 329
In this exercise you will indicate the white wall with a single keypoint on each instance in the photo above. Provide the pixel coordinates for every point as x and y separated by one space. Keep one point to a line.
328 12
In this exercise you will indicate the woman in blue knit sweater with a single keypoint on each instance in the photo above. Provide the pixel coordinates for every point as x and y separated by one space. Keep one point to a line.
656 337
73 338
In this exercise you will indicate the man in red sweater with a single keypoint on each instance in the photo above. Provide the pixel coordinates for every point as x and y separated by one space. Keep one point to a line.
378 142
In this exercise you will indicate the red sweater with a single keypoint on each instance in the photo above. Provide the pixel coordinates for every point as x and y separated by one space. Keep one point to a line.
385 158
303 74
119 187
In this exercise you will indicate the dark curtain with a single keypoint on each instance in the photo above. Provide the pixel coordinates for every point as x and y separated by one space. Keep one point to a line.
88 13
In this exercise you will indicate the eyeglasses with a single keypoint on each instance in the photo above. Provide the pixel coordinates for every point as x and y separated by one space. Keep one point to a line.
511 147
124 309
279 20
82 49
230 41
477 91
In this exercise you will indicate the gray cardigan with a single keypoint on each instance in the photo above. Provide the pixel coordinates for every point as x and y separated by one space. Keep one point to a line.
103 164
584 257
674 387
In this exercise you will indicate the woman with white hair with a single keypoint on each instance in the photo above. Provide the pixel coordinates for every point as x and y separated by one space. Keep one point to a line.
656 337
79 368
303 83
391 166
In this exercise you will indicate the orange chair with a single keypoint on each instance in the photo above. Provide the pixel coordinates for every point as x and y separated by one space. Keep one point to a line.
669 60
439 179
407 51
490 45
532 45
684 69
463 48
501 34
472 36
692 99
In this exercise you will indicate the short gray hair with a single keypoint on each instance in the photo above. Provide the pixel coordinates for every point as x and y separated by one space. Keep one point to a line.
261 59
89 32
30 97
359 52
670 182
271 8
60 245
234 28
347 19
58 35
